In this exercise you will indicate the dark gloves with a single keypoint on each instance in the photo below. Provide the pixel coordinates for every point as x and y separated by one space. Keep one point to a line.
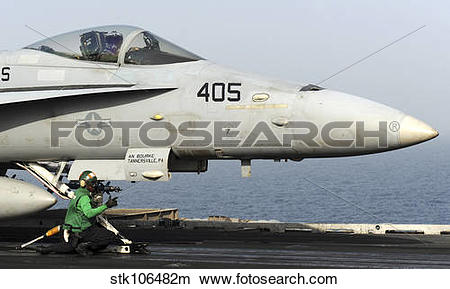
111 202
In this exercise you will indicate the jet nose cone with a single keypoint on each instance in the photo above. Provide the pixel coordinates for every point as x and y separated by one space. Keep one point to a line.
414 131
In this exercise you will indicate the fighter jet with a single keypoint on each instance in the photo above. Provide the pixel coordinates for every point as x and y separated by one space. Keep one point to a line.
130 105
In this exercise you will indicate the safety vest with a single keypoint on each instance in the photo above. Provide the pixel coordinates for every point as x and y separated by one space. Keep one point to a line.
78 220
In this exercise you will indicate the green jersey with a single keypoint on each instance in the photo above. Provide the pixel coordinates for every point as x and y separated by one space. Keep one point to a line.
80 214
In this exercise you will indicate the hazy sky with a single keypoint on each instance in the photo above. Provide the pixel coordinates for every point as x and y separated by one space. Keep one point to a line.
304 41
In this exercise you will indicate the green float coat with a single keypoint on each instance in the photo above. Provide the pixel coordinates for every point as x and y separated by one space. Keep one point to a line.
80 213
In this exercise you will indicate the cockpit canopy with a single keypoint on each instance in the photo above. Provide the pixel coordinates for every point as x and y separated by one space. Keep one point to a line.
110 43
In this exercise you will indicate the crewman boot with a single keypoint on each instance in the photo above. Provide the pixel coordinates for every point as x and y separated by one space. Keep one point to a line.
84 249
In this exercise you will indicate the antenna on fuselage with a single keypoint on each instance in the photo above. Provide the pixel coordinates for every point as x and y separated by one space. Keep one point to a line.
370 55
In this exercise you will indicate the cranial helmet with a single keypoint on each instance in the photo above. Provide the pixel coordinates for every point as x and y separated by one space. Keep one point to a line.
87 178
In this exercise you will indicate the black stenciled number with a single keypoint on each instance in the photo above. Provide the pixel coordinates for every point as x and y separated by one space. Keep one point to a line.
220 91
235 94
203 92
5 73
219 95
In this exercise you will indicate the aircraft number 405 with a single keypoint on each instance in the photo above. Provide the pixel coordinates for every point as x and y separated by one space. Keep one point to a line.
219 92
5 73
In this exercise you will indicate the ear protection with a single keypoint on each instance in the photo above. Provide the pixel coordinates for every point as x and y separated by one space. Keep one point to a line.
82 183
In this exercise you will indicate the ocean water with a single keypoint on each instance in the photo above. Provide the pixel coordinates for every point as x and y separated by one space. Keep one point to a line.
404 186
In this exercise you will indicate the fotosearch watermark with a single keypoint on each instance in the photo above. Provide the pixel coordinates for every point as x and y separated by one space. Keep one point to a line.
100 133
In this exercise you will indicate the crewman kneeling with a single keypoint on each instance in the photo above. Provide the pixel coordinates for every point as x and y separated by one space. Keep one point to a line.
86 235
82 233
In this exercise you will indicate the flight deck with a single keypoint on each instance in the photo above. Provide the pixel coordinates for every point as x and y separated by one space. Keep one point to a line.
224 242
